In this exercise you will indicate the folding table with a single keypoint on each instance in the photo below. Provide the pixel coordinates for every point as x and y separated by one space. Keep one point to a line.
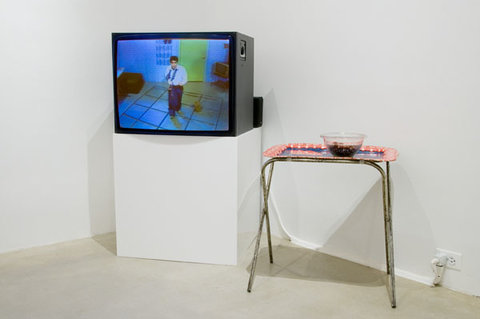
317 153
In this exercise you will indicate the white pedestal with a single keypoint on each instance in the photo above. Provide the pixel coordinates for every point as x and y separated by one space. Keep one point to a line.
186 198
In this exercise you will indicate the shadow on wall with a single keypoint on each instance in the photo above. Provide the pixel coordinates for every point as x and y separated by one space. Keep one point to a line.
100 178
415 244
360 237
273 134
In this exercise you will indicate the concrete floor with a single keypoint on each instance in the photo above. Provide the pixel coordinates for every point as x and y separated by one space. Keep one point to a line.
85 279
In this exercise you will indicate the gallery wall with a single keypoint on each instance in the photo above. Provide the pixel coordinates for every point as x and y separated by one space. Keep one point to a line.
406 73
56 168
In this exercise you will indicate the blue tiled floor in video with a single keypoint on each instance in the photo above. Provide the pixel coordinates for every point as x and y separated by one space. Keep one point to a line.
149 108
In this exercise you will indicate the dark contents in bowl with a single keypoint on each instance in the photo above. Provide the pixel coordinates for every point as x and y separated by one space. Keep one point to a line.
340 150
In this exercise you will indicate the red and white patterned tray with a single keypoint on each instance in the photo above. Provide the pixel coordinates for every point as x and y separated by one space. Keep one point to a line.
367 152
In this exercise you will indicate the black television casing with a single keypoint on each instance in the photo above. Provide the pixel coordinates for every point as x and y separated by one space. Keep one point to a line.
241 81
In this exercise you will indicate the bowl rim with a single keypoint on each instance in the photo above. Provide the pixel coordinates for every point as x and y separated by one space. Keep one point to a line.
343 135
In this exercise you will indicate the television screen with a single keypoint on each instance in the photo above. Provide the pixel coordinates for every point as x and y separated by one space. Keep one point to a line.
175 83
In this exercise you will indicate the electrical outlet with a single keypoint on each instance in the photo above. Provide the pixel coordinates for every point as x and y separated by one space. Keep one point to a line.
454 259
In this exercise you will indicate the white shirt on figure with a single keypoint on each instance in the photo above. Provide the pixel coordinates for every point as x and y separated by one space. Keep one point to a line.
176 78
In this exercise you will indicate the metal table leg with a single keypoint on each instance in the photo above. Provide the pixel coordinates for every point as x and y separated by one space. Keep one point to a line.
387 217
264 215
389 239
387 212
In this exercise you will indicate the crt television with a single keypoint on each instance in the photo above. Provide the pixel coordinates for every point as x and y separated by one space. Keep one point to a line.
183 83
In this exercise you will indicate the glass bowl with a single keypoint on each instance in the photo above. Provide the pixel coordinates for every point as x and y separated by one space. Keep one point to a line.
342 144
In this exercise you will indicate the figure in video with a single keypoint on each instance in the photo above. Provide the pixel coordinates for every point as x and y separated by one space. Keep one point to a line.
176 76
